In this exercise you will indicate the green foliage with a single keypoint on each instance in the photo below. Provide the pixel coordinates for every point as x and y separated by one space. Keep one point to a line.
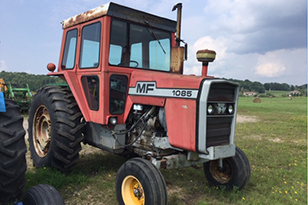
21 79
247 85
277 86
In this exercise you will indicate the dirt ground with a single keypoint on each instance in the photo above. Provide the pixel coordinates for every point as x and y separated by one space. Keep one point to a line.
244 118
25 123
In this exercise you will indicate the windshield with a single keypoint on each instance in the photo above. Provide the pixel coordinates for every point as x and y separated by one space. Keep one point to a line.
133 45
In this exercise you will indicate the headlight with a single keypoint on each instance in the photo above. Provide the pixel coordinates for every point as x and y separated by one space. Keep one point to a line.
230 109
113 120
210 109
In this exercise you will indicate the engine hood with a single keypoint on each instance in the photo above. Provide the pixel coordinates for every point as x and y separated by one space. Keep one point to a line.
157 84
166 80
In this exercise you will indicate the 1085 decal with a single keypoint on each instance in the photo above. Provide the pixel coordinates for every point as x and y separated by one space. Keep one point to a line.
182 93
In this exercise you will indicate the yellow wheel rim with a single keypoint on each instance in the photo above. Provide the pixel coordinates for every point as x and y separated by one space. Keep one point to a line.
132 191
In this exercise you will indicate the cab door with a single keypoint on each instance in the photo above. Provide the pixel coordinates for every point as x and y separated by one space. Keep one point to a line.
89 68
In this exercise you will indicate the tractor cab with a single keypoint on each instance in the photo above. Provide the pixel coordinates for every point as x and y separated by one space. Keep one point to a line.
103 47
114 35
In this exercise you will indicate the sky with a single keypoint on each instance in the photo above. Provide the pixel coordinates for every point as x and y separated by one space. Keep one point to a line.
258 40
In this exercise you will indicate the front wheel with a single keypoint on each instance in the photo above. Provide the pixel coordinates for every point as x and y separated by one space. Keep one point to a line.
235 171
140 182
42 194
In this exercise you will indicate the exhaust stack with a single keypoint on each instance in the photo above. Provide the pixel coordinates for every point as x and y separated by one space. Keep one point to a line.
178 53
179 22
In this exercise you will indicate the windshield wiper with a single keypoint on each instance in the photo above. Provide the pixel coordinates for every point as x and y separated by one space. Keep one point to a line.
155 37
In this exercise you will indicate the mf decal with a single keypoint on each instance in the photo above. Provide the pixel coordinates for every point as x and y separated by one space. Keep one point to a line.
150 89
145 87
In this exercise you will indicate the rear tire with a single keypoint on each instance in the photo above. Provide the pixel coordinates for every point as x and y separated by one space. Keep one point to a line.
140 182
42 194
55 128
12 153
235 171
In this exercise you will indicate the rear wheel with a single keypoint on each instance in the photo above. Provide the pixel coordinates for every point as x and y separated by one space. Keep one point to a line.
55 128
12 153
42 194
140 182
235 171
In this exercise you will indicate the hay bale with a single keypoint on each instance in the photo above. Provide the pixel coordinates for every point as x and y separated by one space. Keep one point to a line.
257 100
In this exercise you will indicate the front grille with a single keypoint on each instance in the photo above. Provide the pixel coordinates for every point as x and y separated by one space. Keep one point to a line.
218 126
221 92
218 130
217 109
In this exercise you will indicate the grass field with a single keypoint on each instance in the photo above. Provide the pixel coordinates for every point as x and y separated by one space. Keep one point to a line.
275 142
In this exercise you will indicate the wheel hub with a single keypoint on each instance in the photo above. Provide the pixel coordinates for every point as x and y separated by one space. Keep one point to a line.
221 174
132 191
41 131
138 192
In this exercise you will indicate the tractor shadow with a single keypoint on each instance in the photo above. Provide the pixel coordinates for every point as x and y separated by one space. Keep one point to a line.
92 162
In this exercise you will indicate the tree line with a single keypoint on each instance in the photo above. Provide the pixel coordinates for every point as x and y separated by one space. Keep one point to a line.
20 79
247 85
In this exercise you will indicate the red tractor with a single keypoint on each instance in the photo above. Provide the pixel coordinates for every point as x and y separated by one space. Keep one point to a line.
127 95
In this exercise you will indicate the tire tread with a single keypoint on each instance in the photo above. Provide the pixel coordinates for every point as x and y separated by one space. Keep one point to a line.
66 127
240 168
12 153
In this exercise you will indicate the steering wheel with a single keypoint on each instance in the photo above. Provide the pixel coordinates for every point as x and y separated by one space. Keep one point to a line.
130 61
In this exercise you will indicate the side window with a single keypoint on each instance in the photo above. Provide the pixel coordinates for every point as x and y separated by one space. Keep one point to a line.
90 46
118 88
118 42
91 89
115 54
68 58
136 55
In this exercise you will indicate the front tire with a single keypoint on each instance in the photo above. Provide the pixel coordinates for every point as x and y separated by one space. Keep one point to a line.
42 194
140 182
12 153
234 173
55 128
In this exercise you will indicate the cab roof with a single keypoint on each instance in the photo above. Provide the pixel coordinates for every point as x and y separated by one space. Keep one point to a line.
122 12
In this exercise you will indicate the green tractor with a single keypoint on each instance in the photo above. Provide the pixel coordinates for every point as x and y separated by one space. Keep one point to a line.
22 96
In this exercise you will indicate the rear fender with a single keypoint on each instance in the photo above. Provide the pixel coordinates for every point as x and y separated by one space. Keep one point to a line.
72 81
